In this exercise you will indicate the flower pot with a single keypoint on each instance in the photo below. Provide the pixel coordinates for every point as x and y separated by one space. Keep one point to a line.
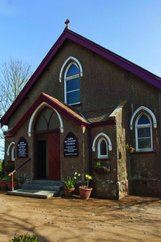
85 192
68 192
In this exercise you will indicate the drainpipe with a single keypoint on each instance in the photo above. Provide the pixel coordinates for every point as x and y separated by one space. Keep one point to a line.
89 150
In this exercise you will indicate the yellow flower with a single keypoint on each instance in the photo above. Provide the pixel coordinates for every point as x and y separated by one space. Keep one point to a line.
88 177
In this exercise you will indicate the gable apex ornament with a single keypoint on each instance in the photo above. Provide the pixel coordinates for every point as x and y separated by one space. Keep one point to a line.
67 22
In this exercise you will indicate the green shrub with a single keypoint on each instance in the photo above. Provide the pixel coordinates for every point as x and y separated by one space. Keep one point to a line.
25 238
71 181
7 178
9 166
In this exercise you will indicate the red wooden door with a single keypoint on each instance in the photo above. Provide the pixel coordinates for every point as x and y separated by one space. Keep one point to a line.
53 147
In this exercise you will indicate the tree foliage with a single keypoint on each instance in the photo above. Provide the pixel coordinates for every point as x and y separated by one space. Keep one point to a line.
14 74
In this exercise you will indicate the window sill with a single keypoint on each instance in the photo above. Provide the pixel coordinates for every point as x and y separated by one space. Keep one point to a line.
75 105
102 159
144 152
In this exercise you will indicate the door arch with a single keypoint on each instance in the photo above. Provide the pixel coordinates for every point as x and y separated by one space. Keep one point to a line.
47 145
37 111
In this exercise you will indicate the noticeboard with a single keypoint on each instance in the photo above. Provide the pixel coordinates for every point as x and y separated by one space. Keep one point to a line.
22 148
70 145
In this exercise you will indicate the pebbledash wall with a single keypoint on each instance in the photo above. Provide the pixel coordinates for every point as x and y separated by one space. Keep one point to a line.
108 89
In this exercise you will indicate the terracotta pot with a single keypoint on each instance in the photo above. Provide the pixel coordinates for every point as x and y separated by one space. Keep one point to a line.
68 192
85 192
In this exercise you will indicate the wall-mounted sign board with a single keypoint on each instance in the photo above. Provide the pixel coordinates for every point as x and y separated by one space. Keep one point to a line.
22 148
70 145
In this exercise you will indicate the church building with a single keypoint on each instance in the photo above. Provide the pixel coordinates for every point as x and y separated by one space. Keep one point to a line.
87 109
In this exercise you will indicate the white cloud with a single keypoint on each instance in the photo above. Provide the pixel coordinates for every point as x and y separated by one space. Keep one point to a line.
8 8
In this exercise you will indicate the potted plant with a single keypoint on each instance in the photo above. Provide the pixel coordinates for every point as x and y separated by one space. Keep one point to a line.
85 190
101 169
70 183
130 149
6 184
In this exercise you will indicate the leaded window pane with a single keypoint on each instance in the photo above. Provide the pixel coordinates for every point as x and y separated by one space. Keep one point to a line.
103 148
73 97
144 132
143 120
72 84
73 70
144 143
41 124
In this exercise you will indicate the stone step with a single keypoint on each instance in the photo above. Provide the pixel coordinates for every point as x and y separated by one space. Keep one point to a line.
44 187
48 182
40 189
32 193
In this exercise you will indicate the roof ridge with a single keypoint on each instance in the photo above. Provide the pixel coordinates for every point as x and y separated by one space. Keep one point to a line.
113 53
55 104
129 66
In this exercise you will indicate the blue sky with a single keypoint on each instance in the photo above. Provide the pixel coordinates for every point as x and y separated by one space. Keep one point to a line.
132 29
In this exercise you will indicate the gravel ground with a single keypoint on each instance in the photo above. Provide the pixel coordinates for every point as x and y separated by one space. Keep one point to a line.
60 219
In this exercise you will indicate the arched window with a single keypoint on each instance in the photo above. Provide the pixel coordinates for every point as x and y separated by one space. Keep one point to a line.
102 145
102 148
35 116
46 120
143 133
72 84
13 153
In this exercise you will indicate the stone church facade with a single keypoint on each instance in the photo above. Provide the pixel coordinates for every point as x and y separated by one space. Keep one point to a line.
87 109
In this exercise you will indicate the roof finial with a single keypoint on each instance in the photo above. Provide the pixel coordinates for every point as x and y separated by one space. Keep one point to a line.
67 21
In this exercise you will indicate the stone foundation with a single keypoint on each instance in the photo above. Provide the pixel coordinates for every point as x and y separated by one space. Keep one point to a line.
144 187
104 187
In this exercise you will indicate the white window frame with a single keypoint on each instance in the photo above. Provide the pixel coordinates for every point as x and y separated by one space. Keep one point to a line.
9 147
99 149
36 112
137 126
145 110
68 60
99 136
68 79
13 150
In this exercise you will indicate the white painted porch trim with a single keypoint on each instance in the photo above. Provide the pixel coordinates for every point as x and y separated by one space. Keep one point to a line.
33 116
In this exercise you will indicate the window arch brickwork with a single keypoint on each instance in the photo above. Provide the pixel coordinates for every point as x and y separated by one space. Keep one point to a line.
11 151
72 84
103 146
143 133
142 122
146 110
71 73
